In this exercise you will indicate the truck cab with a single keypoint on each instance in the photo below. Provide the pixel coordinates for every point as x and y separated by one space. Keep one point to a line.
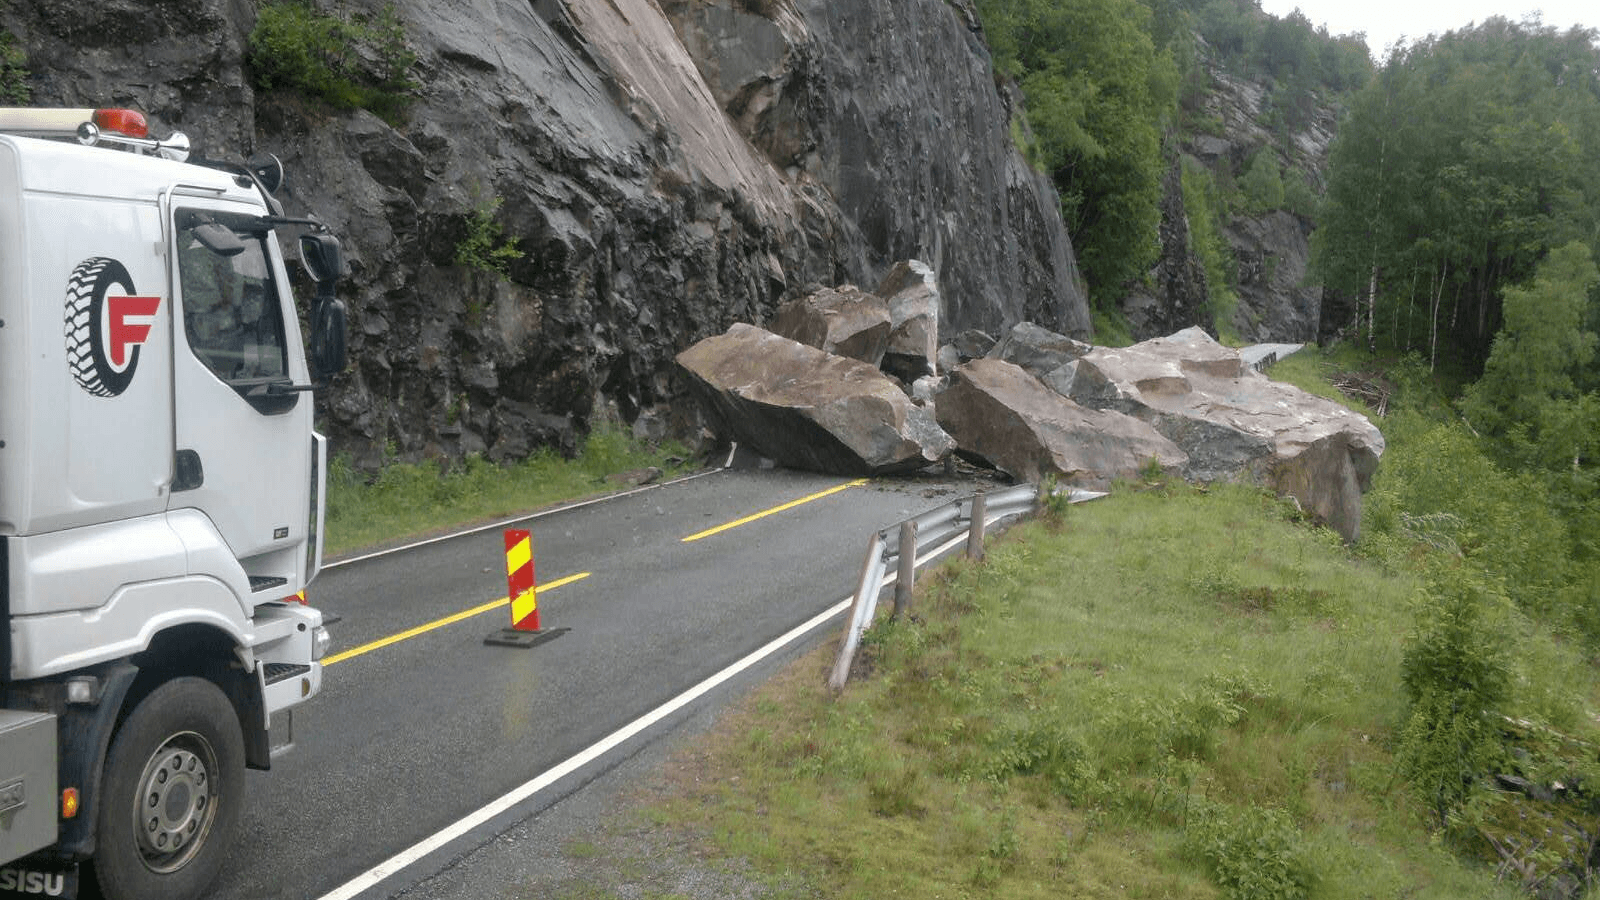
161 498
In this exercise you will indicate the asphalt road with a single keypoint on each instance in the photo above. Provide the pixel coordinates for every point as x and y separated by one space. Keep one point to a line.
409 737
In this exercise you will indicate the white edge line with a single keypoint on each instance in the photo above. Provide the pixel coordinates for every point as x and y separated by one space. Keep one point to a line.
394 864
527 517
422 848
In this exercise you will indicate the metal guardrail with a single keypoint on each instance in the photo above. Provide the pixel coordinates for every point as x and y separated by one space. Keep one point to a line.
939 529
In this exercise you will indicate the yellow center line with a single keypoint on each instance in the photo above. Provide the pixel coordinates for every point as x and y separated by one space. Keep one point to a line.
776 509
440 623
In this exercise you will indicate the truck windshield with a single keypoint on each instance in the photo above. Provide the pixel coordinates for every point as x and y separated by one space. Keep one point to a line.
232 316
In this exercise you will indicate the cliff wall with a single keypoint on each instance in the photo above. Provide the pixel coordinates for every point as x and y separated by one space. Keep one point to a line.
665 168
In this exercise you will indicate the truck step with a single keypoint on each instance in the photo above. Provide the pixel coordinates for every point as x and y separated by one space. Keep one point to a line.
259 583
276 672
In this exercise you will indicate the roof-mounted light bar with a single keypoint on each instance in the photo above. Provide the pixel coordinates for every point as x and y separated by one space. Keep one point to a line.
126 127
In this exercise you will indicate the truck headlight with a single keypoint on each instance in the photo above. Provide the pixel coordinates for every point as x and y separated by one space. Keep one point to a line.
320 641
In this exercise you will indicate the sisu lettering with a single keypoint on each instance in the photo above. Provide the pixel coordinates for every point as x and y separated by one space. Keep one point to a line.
24 881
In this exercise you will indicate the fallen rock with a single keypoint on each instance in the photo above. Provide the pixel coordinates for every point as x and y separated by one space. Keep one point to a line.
844 321
636 477
912 292
972 344
807 409
1235 423
967 345
1002 416
1042 353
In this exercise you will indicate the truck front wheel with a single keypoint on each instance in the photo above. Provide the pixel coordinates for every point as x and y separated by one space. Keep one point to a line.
173 787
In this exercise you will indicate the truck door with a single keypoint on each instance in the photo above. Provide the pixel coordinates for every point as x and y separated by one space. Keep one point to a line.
243 449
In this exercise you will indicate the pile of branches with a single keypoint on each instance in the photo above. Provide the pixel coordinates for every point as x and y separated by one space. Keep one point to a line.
1370 389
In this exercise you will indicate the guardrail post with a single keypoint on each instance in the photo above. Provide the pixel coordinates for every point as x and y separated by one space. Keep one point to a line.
906 574
861 610
975 530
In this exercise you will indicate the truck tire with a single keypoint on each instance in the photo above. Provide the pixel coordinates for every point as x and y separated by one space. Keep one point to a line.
86 355
174 783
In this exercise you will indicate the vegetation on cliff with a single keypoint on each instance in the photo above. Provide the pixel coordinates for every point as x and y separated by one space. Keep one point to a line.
349 61
1099 93
1112 86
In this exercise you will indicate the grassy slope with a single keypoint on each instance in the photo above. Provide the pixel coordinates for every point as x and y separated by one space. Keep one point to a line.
1168 663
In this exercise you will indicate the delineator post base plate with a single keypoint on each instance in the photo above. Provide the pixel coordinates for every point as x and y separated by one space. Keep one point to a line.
511 637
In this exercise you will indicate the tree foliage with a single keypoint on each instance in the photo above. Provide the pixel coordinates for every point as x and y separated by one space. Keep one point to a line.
14 89
1464 161
1528 395
1101 81
1099 93
348 61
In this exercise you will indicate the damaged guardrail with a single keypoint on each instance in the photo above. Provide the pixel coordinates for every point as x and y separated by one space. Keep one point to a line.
940 529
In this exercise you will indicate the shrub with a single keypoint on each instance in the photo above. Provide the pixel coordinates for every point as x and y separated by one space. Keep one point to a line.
1299 198
1456 671
484 247
1437 476
1206 208
14 89
1263 182
1252 853
360 62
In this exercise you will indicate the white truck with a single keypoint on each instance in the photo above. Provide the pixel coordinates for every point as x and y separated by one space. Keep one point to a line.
161 499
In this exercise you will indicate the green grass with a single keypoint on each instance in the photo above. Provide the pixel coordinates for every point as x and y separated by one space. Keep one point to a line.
406 500
1077 715
1310 368
1110 329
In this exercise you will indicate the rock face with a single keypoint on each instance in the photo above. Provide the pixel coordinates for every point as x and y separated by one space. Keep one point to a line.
1177 297
1237 424
807 409
1270 249
666 169
1273 253
1002 416
878 107
846 321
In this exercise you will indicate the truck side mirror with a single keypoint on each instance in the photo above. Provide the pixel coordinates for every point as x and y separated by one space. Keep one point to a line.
329 354
323 258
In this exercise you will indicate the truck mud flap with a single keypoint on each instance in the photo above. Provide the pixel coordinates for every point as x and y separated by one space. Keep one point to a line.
25 879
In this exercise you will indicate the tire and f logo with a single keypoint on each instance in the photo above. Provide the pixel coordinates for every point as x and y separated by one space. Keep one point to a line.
105 329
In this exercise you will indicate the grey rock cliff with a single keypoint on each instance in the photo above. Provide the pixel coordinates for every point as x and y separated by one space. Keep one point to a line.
1176 295
665 174
1270 249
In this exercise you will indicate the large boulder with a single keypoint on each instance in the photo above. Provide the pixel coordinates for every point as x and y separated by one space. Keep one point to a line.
807 409
966 345
1042 353
1005 417
1235 423
912 290
844 321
